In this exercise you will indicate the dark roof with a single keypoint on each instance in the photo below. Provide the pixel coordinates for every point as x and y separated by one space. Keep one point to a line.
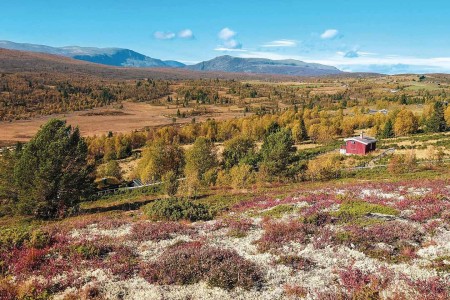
366 140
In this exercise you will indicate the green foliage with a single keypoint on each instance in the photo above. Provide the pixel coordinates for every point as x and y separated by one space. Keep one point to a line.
109 169
8 190
159 158
52 175
436 122
388 130
201 163
241 176
278 152
299 131
236 150
170 183
14 236
175 209
351 210
279 210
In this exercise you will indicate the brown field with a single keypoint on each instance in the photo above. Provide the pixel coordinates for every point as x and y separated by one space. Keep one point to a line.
133 116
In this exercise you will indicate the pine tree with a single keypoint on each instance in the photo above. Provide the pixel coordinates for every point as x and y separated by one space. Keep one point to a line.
52 174
436 122
388 130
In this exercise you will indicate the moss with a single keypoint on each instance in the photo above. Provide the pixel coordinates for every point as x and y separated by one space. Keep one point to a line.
279 210
353 210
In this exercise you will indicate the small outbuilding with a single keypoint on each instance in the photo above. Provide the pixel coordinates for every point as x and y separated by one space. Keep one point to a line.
360 145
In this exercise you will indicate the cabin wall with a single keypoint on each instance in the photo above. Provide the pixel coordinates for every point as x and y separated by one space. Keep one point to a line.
355 148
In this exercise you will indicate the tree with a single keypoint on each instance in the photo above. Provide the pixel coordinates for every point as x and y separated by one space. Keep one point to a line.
299 131
52 174
388 130
405 123
236 150
170 183
8 189
159 158
241 176
201 161
278 152
110 169
436 121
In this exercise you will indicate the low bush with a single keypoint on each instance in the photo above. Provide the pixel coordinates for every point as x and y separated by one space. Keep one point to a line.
177 209
237 226
296 262
157 231
123 262
89 249
398 236
188 263
278 233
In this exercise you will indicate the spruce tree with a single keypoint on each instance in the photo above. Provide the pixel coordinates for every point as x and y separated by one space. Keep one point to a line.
52 174
436 122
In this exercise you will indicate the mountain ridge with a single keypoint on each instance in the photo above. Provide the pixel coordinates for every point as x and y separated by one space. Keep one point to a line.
227 63
119 57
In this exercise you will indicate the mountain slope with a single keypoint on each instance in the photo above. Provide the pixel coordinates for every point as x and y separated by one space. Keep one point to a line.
107 56
228 63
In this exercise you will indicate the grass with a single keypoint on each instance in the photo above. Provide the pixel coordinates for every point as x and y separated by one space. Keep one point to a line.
354 211
278 211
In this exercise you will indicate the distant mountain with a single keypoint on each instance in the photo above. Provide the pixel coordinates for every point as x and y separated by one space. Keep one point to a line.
106 56
120 57
228 63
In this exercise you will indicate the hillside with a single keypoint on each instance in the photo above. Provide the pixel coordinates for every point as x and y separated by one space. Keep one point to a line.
107 56
228 63
128 58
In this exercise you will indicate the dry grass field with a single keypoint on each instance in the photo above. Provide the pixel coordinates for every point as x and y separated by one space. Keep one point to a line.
133 116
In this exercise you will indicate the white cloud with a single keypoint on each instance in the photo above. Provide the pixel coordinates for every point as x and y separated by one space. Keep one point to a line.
220 48
232 44
161 35
228 42
186 34
329 34
226 34
367 62
281 43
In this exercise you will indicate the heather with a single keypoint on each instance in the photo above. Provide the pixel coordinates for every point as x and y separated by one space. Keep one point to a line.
326 241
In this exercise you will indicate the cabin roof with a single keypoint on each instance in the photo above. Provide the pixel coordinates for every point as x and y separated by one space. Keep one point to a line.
366 140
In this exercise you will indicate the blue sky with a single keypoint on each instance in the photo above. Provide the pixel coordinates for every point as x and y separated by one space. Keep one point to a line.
382 36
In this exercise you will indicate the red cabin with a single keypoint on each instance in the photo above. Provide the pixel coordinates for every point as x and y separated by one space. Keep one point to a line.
359 145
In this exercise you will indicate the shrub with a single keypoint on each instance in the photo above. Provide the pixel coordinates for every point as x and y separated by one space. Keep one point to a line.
237 226
396 234
296 262
431 289
324 168
177 209
123 262
241 176
295 291
15 236
90 249
278 233
8 290
156 231
188 263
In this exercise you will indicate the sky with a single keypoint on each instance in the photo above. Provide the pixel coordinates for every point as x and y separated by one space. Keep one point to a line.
395 36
